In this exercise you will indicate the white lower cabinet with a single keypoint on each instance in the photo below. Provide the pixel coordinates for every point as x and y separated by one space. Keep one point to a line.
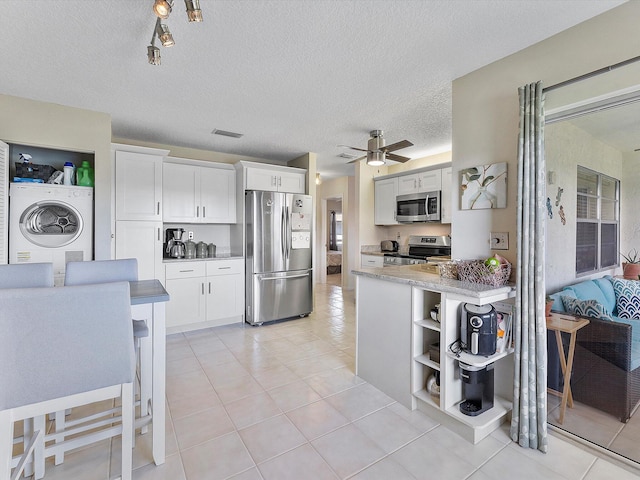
204 293
143 241
371 260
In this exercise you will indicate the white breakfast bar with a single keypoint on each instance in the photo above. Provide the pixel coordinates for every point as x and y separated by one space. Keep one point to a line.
148 299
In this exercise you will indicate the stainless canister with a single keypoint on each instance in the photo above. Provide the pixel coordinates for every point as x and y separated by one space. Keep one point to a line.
211 250
190 249
201 250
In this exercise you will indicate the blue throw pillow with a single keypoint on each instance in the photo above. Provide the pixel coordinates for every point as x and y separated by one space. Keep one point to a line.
627 297
585 308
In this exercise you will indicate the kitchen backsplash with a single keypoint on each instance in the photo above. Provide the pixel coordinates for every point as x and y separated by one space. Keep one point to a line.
216 234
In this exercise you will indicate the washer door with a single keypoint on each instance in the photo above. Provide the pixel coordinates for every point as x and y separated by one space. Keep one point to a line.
51 224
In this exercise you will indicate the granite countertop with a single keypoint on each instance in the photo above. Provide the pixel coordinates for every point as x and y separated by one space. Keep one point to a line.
222 256
415 276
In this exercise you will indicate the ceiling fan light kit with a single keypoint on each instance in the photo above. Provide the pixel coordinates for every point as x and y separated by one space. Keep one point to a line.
162 10
378 152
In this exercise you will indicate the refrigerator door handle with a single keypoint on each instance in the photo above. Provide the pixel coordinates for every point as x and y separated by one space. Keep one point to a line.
288 236
303 275
283 229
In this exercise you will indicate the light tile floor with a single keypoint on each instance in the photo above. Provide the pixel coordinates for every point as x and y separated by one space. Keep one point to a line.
281 402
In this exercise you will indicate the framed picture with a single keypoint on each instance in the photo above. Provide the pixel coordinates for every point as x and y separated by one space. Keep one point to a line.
484 186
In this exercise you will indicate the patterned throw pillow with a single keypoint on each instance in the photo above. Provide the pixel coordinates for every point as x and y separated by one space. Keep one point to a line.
585 308
627 297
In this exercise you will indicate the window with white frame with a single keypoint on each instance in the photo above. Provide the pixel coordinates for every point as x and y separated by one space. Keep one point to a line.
597 221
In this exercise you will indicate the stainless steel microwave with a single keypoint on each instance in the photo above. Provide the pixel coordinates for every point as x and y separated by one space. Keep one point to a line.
418 207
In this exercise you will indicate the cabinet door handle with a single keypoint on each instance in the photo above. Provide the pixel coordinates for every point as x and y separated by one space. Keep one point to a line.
197 211
209 288
224 268
158 233
274 181
158 209
279 181
202 284
204 212
185 271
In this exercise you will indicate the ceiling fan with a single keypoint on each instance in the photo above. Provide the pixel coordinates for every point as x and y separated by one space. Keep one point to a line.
378 152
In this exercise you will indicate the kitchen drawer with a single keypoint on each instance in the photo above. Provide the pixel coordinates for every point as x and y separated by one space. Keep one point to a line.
185 269
225 267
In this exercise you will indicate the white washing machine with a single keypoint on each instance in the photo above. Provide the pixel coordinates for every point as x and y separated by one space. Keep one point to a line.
50 223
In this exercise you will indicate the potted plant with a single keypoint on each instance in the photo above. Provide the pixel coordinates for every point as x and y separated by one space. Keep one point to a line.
548 303
631 265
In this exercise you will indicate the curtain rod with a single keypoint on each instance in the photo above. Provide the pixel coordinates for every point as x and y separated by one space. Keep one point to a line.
591 74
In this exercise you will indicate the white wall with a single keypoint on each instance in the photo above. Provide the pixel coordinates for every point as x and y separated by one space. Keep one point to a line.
485 110
629 195
343 187
566 147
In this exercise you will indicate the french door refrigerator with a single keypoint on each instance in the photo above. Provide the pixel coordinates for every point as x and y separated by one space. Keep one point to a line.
279 280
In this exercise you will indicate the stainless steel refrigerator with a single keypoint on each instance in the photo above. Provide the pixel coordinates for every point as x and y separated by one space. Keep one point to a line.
279 280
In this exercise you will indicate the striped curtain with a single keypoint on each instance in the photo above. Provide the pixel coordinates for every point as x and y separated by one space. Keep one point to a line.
529 416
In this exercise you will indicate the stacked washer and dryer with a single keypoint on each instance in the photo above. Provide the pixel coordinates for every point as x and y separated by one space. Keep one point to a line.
50 223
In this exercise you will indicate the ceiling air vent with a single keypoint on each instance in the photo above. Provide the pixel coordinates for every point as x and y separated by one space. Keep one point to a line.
348 156
224 133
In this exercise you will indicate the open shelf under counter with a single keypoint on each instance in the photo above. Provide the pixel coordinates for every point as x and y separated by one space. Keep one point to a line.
488 419
425 360
428 323
478 360
427 398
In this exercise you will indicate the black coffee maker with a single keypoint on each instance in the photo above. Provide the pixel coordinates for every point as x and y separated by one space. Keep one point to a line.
477 388
173 245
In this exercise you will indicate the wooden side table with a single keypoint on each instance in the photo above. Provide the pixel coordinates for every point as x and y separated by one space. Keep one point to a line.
565 323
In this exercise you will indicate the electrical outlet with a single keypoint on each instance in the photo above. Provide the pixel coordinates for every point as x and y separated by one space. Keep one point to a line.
190 235
499 241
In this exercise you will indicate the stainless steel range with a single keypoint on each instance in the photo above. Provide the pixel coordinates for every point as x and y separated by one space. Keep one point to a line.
421 249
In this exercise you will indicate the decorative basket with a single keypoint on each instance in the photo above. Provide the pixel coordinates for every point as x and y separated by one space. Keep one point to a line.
33 170
448 270
475 271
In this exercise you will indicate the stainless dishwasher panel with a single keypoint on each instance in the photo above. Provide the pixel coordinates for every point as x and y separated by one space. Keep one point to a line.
275 296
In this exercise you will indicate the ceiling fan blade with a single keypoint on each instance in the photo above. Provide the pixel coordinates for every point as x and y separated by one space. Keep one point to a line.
397 146
354 148
357 159
397 158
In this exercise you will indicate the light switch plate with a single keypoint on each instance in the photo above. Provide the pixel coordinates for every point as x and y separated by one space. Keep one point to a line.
499 240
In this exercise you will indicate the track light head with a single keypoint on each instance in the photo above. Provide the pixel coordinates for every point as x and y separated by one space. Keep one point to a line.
164 35
194 14
162 8
153 54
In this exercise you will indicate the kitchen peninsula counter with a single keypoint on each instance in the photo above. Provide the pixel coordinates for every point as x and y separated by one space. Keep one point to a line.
416 276
396 336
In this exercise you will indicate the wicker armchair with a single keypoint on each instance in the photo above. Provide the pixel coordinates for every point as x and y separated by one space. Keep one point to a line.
602 377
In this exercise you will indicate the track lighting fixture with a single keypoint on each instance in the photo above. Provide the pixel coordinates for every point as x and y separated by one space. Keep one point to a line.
194 14
162 9
153 54
164 34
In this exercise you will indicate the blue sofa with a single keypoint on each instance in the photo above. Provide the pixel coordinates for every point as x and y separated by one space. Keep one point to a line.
607 356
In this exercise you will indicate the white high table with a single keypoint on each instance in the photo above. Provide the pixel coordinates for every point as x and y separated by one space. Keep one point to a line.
147 301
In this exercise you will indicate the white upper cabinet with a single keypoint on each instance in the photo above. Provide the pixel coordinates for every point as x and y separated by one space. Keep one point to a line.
218 195
385 201
428 181
446 199
198 194
278 179
138 186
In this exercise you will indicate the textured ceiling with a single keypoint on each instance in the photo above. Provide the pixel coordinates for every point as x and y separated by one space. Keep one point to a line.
293 76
